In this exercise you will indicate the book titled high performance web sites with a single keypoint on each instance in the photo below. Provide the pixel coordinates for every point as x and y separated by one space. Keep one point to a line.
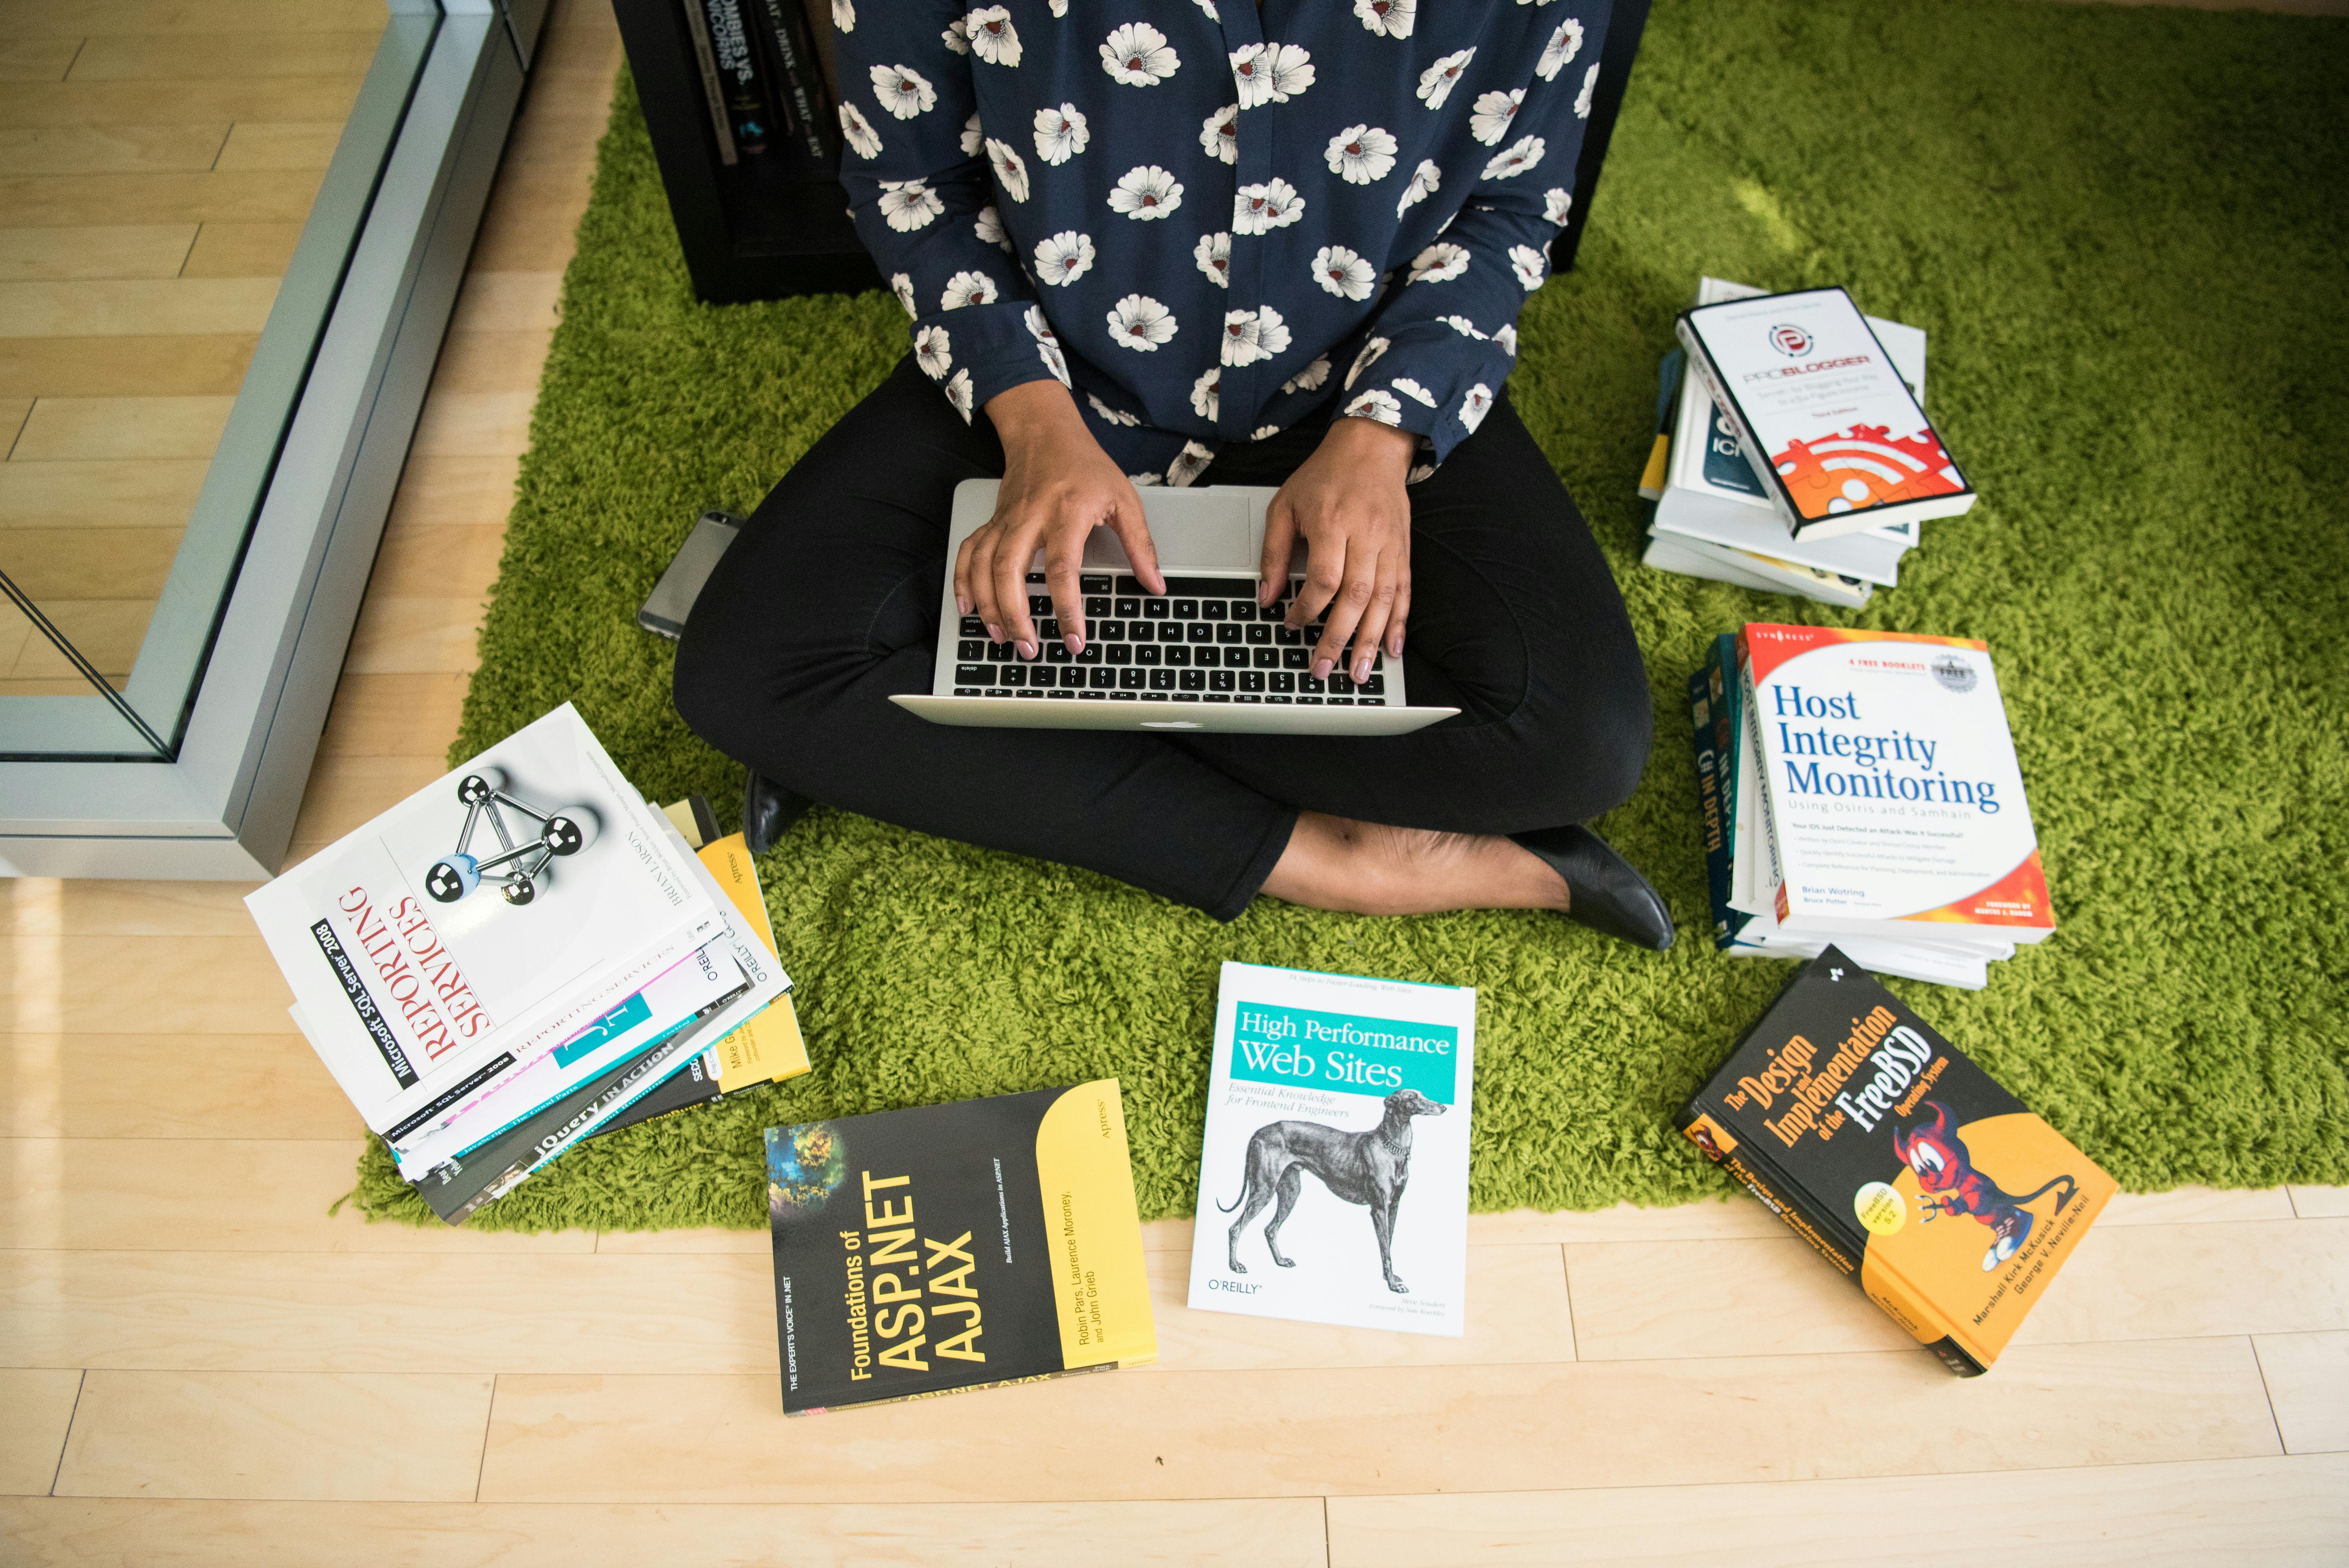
1863 787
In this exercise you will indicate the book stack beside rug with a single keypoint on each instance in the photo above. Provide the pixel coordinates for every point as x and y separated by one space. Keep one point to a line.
523 955
1718 511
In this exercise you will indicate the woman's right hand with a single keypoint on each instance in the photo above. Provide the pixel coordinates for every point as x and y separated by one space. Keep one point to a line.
1058 487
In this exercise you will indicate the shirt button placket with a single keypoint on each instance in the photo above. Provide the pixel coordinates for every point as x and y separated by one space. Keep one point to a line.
1240 398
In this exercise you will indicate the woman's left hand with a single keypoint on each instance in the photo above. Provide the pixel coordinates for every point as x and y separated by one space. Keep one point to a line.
1347 501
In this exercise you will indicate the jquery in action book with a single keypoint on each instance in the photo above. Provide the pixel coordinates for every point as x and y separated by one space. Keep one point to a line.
1822 414
1901 1162
1333 1181
944 1247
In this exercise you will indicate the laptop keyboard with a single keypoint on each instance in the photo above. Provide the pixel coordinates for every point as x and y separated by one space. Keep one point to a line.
1205 641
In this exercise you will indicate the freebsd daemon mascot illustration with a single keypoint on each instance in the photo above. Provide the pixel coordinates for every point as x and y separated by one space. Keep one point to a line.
1951 1185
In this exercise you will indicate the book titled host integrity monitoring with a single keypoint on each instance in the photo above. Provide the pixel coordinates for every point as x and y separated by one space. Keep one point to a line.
1833 433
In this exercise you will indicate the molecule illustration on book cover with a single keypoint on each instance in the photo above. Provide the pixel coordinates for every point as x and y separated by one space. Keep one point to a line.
518 866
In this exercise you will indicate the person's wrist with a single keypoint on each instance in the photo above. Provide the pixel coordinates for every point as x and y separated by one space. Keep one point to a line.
1367 441
1032 411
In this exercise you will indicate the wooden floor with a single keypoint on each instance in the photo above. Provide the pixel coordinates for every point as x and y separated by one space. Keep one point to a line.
198 1363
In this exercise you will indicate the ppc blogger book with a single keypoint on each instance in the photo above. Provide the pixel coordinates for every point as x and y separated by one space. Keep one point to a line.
417 1001
1333 1181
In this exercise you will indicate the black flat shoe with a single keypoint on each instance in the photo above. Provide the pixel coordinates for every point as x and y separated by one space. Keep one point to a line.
768 813
1607 895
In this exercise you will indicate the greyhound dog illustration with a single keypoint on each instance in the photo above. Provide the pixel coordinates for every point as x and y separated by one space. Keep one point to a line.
1369 1167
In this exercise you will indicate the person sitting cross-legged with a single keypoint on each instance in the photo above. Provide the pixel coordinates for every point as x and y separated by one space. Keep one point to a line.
1181 251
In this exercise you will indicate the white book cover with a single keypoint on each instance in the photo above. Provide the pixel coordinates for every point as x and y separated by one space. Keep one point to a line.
1711 491
1823 415
424 973
1895 803
1333 1183
1744 569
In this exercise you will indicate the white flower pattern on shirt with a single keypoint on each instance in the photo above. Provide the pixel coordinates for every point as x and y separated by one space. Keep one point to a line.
934 352
1271 72
1214 255
1495 112
1360 154
909 204
1144 192
1139 56
1516 159
967 289
1343 273
1376 404
1061 134
1220 135
1010 169
1063 258
1388 18
1559 52
1435 83
1424 180
862 140
904 91
993 39
1259 209
1530 265
1141 323
1439 263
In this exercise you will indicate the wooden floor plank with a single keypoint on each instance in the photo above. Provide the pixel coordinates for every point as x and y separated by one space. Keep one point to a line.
492 361
415 636
126 492
82 429
84 150
2320 1202
104 1086
1236 1533
38 60
296 145
454 491
346 792
534 216
394 715
507 301
194 366
134 307
197 57
216 1194
2308 1383
440 561
54 563
249 197
474 425
103 18
242 250
1632 1300
481 1310
38 1403
293 1434
167 984
32 104
104 251
105 907
2271 1510
1377 1430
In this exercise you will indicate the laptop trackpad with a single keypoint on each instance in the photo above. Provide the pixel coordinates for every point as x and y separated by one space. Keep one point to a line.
1206 533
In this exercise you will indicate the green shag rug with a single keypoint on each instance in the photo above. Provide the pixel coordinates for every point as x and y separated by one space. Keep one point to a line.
2125 231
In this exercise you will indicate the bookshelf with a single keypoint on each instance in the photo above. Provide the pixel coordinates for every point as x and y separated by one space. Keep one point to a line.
761 228
765 227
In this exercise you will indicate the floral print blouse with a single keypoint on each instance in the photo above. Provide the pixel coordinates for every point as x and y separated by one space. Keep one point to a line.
1209 219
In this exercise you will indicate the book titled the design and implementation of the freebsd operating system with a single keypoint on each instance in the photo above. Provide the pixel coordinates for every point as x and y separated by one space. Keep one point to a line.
945 1247
1920 1180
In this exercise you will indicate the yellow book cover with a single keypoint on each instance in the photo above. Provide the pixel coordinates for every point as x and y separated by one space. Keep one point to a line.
945 1247
768 1049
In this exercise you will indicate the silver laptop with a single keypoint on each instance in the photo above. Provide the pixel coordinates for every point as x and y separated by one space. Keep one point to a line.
1201 656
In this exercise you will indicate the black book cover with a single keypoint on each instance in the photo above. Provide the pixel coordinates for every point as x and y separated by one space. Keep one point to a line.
687 1087
807 117
483 1174
1905 1165
946 1247
738 73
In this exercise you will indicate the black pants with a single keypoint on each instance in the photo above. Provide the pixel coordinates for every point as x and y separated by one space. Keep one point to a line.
829 603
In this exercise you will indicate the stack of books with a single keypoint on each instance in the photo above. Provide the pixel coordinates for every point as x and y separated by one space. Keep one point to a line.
1862 787
1716 515
1874 1139
523 955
